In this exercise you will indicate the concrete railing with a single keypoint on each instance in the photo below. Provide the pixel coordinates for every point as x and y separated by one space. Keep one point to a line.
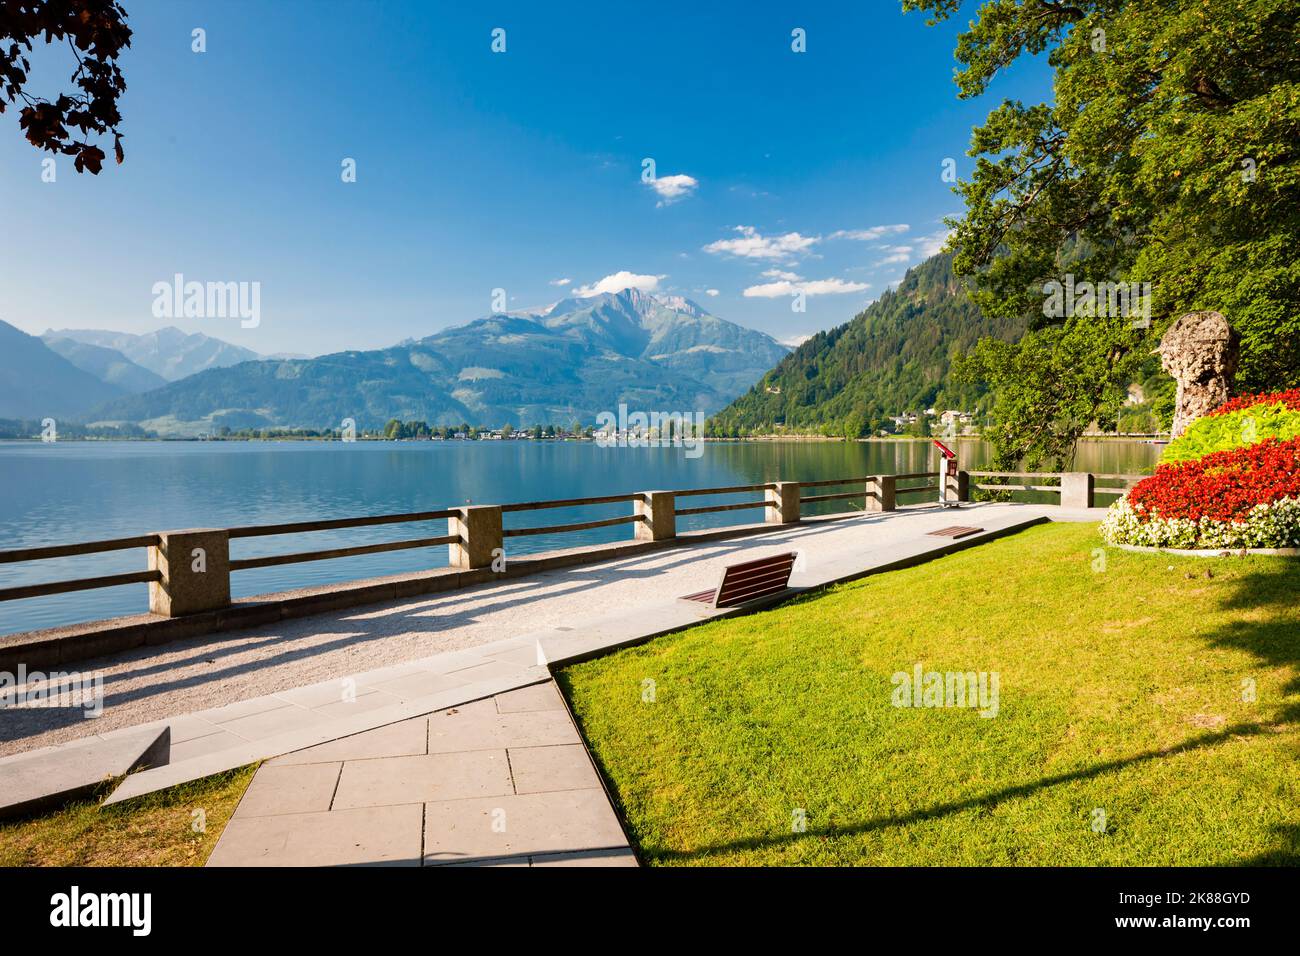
188 571
1078 489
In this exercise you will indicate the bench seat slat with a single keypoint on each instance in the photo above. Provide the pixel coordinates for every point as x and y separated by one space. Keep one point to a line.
779 576
745 598
759 574
759 562
748 581
778 582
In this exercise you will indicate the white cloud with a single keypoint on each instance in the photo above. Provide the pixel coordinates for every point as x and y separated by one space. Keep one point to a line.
895 255
781 274
933 243
784 287
794 341
711 292
832 287
872 234
673 188
617 282
559 282
753 245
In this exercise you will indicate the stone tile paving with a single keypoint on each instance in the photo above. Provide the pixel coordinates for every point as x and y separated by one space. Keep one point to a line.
389 642
326 716
502 781
230 735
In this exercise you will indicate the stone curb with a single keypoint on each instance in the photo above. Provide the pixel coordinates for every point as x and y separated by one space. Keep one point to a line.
1211 552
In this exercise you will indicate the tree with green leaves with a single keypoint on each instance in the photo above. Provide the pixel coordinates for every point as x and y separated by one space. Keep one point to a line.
1170 157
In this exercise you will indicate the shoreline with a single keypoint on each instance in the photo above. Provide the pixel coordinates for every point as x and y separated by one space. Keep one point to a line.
755 439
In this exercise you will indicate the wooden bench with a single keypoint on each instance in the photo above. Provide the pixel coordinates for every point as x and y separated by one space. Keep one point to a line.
748 582
955 532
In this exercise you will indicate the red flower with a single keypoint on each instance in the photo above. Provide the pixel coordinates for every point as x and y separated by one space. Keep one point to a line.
1223 486
1289 398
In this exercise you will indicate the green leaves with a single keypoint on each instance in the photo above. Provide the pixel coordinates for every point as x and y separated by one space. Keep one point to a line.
1004 30
1171 156
1051 385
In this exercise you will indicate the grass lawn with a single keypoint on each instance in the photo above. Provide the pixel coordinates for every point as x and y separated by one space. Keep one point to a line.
1121 685
158 829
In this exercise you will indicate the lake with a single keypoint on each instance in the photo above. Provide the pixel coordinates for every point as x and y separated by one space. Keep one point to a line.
72 491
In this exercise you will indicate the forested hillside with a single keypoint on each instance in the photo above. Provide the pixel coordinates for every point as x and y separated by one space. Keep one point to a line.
892 358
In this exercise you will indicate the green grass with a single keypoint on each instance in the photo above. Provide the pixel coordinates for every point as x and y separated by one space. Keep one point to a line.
158 829
1120 689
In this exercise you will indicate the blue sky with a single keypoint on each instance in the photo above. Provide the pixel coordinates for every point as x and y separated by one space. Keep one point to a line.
776 171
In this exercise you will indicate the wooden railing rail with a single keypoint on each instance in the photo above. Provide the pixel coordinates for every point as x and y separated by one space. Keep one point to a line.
1076 489
1007 487
839 496
81 584
1014 474
711 509
570 502
72 550
270 560
827 482
732 490
189 571
331 524
578 526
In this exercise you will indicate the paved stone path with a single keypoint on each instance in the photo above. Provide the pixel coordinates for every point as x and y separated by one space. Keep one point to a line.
153 684
504 781
464 692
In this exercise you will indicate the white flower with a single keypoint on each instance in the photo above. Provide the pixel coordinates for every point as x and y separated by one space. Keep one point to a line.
1272 525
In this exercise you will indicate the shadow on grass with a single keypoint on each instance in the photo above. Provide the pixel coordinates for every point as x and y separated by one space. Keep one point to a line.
974 803
1287 852
1273 639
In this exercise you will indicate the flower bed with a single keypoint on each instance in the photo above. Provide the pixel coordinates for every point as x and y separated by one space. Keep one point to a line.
1223 432
1289 399
1243 498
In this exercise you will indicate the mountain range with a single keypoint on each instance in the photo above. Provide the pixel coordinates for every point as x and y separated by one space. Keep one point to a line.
108 365
37 382
64 373
891 358
569 361
169 354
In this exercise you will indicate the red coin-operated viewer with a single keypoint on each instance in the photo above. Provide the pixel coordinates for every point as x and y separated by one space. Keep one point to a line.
947 475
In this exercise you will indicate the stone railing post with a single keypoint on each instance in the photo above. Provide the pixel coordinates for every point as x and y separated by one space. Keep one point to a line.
658 513
963 486
881 493
782 503
195 571
479 527
1077 489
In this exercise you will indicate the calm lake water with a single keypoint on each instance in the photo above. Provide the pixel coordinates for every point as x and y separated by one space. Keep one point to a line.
81 491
